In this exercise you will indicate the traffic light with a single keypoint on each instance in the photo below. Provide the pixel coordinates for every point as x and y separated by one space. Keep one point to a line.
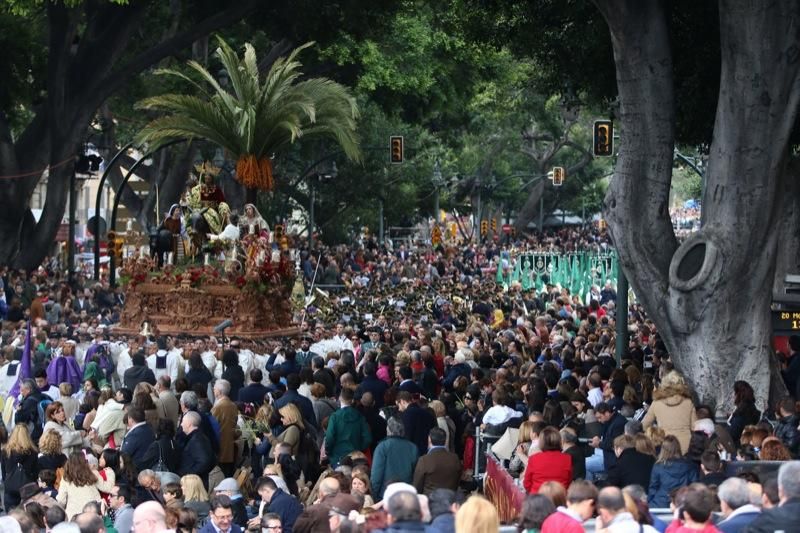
484 227
396 149
111 240
558 176
278 233
603 138
494 225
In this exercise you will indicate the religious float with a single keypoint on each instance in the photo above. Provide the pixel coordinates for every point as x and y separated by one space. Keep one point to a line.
249 284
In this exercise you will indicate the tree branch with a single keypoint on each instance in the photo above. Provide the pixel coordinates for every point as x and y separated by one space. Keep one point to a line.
120 76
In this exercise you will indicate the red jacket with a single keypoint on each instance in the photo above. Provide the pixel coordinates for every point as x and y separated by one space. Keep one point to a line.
560 522
547 466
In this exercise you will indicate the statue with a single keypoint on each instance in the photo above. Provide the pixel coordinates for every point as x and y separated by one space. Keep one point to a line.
170 235
251 222
209 199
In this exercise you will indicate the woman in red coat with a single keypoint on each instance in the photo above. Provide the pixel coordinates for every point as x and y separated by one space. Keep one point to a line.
549 465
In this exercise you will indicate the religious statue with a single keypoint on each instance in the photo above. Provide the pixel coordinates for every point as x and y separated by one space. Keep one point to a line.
208 198
251 223
174 225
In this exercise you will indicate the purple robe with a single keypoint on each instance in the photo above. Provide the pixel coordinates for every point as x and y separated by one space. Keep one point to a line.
65 369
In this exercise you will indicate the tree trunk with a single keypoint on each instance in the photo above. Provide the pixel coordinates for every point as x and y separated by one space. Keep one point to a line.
530 210
709 296
78 82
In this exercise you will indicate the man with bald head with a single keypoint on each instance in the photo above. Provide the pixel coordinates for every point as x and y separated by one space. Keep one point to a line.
149 517
197 456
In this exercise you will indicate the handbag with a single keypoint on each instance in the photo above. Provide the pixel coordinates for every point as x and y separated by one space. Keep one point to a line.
14 481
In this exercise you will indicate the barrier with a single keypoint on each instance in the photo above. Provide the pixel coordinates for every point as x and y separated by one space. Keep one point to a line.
500 489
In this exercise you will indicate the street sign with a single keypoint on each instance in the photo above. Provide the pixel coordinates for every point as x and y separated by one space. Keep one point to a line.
786 321
506 228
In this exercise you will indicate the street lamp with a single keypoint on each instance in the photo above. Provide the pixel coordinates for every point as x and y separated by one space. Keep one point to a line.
312 181
437 182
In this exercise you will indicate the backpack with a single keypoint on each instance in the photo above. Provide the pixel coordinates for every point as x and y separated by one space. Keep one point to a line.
308 454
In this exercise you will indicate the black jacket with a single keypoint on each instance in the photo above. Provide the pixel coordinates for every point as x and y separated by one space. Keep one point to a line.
784 518
29 466
235 376
374 385
136 444
253 393
632 468
199 376
578 461
196 456
611 430
418 422
787 432
28 413
136 374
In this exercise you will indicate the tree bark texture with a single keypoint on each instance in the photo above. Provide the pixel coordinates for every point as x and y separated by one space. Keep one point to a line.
79 80
710 295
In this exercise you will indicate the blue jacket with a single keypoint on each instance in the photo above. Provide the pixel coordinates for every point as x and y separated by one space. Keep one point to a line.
253 393
302 403
738 523
209 528
287 507
444 523
668 476
374 385
137 442
394 460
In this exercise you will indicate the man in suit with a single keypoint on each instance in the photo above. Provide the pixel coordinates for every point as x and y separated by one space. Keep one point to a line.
220 517
255 392
274 500
632 467
439 468
138 438
417 421
613 426
372 384
197 456
783 517
407 383
737 511
227 414
168 403
302 403
28 409
304 355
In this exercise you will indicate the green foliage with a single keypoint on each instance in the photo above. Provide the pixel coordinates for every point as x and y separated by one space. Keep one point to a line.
28 7
255 117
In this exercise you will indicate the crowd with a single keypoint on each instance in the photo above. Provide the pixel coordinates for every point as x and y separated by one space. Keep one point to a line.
368 420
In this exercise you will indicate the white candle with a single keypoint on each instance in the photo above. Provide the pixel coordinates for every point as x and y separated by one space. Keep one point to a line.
276 256
207 259
252 229
169 258
143 251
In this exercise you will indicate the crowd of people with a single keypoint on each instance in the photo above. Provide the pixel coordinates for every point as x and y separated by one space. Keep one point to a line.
374 417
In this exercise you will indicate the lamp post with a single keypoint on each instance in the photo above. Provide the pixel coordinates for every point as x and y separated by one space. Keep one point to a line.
437 182
312 185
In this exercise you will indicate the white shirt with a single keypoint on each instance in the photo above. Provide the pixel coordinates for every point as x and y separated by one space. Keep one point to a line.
595 396
171 369
499 414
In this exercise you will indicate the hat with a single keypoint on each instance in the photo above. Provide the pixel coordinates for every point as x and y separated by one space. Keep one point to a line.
396 488
228 484
343 503
29 490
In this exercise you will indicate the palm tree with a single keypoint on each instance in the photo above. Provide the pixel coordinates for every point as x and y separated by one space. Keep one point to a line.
257 118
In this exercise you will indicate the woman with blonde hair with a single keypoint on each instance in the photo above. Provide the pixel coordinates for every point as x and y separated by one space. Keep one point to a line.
445 423
51 451
527 445
292 422
195 496
18 464
672 409
477 515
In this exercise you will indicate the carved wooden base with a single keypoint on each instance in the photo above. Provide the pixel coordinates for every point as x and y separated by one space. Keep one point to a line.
180 309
